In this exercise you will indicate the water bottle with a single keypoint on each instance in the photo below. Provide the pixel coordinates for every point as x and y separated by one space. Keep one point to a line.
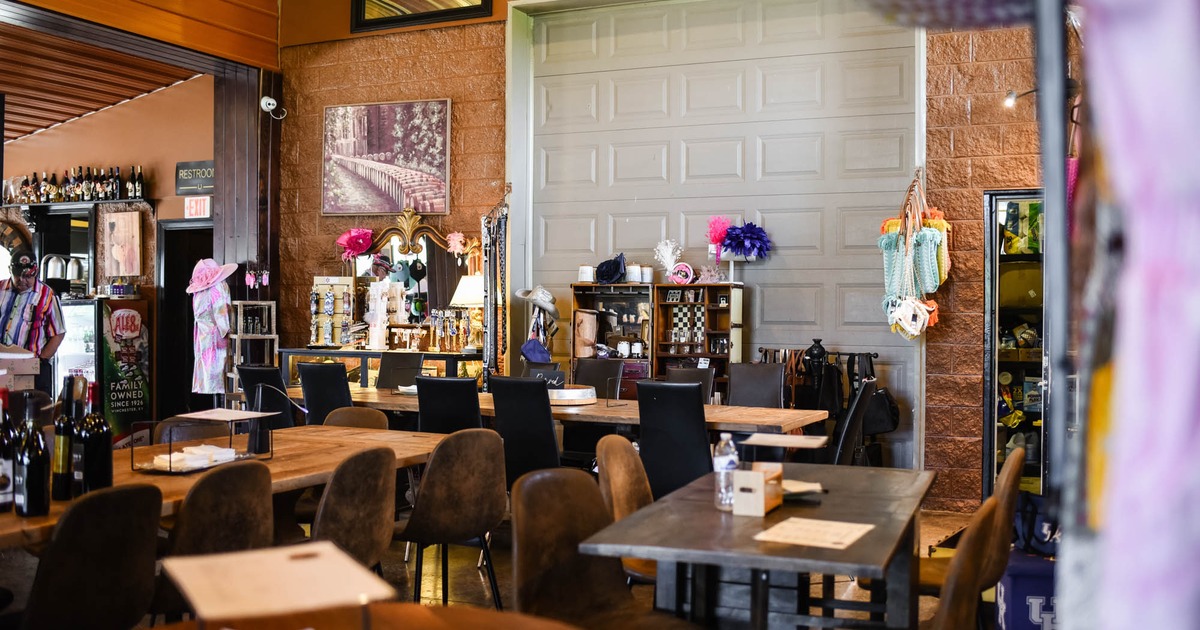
725 461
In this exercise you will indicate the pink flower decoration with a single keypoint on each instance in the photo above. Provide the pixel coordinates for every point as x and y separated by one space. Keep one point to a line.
456 243
717 227
354 242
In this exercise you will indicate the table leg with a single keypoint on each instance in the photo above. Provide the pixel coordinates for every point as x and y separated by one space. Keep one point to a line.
703 594
668 592
901 579
760 598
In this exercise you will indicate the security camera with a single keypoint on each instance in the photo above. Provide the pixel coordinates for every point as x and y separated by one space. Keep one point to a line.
268 104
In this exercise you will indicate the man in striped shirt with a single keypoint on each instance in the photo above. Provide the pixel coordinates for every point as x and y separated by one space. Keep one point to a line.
31 317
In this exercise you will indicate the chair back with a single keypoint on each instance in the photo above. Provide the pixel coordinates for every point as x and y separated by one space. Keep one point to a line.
399 369
1000 546
704 376
178 429
529 366
45 406
325 388
102 554
462 492
960 594
273 399
357 509
446 405
357 417
756 385
674 437
602 374
552 512
623 482
228 509
525 423
847 432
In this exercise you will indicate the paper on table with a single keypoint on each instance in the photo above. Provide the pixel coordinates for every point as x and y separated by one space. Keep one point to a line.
795 486
814 533
273 581
406 390
786 441
225 415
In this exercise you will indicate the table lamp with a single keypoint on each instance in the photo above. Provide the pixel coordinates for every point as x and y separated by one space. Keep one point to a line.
469 295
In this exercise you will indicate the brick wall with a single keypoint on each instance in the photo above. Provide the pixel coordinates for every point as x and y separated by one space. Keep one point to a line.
974 143
464 64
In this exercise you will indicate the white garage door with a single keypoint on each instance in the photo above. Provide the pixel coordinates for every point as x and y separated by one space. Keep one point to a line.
798 116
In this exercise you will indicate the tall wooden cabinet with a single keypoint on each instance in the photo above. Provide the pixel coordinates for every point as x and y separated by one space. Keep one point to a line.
697 322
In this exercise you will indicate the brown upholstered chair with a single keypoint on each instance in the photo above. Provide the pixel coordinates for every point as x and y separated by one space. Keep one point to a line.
959 603
358 417
102 555
462 498
228 509
933 571
625 489
553 511
182 429
357 509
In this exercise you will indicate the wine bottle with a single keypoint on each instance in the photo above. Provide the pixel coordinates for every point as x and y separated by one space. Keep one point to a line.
8 450
52 189
118 187
44 189
88 187
131 184
97 444
140 188
78 414
32 467
64 432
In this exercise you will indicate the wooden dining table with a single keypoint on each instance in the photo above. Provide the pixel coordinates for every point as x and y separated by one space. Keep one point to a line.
711 566
302 456
614 412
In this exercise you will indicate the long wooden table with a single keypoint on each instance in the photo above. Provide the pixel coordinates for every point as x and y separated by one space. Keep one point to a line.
622 412
303 456
684 529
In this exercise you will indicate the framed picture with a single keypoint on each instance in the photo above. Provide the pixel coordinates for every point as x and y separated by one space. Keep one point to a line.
384 157
123 244
674 294
723 300
373 15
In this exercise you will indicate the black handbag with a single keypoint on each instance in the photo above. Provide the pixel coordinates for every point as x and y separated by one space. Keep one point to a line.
882 414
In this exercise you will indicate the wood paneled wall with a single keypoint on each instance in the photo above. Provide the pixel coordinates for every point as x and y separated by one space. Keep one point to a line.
246 31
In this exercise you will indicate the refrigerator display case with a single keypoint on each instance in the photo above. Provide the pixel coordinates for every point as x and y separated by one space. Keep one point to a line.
1014 373
108 341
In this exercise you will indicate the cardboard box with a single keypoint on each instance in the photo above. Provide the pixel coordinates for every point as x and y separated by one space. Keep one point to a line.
759 490
1020 284
19 372
1008 354
1030 354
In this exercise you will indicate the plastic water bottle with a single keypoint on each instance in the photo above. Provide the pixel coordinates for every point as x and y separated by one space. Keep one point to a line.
725 461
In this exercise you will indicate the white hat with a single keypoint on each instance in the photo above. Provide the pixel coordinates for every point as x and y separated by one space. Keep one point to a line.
541 298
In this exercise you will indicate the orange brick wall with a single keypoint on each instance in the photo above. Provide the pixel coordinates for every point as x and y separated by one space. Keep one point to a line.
974 143
463 63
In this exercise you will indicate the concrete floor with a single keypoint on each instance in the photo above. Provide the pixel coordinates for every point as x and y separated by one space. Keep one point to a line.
469 586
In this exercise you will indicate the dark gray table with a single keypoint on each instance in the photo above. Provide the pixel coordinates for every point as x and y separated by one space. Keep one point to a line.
683 531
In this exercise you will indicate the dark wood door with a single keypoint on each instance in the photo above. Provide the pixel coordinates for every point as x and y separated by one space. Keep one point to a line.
180 245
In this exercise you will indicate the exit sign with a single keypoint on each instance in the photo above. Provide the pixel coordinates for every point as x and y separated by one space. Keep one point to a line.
197 207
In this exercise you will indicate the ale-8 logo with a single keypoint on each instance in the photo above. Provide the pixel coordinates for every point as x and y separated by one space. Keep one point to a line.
126 323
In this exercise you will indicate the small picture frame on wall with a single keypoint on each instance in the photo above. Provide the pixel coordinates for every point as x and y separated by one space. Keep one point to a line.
374 15
380 158
123 244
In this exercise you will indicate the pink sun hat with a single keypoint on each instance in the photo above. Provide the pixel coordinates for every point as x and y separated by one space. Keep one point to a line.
207 273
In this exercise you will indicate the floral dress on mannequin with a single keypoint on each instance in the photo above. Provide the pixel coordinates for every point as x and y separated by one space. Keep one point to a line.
211 305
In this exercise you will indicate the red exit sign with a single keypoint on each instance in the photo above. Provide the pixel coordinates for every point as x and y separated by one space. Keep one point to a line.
197 207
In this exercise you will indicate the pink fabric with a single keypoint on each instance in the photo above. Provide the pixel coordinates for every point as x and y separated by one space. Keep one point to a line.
1144 84
211 307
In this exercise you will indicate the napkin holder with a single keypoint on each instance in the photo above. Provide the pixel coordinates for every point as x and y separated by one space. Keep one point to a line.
758 490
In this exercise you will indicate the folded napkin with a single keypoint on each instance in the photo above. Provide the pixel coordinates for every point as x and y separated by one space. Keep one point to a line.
408 390
795 486
180 461
213 454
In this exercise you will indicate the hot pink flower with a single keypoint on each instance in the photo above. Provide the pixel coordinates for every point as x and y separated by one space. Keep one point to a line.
456 243
354 242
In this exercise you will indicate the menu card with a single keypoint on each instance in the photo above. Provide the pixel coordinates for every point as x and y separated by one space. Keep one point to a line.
815 533
225 415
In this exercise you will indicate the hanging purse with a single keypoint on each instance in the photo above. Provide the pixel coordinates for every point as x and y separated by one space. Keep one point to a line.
882 414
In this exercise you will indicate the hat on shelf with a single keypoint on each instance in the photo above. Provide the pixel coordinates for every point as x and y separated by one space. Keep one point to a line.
24 263
540 297
207 273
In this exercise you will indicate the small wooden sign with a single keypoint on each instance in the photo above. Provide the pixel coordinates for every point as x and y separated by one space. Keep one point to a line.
195 178
197 207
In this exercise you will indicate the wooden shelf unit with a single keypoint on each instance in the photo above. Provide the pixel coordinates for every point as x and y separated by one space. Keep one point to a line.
251 323
711 318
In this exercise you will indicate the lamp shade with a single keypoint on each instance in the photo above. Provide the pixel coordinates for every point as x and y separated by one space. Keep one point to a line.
469 293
